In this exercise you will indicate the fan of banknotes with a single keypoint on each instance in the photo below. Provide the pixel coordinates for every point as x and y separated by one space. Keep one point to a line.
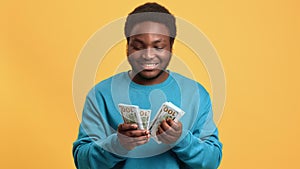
141 117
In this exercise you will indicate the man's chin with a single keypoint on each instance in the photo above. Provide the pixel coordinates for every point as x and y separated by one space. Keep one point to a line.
150 74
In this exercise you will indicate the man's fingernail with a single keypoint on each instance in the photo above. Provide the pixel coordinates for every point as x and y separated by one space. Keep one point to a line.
134 125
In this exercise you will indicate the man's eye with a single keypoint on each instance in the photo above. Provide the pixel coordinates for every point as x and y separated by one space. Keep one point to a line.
159 48
137 47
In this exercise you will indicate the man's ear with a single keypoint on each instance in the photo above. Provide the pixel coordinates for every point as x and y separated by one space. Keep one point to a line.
127 46
127 50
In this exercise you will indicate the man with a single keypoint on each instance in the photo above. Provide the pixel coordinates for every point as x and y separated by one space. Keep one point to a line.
105 141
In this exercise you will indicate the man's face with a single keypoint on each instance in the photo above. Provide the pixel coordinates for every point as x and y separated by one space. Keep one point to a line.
149 51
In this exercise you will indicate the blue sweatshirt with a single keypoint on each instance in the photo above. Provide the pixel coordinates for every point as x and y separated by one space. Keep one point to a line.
97 146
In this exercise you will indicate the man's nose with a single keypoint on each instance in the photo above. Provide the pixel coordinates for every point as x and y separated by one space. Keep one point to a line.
148 53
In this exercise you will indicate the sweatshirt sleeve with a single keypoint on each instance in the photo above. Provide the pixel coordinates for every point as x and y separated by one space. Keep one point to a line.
200 147
97 145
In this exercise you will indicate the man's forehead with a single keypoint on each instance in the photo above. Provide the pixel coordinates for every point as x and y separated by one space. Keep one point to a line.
149 27
153 36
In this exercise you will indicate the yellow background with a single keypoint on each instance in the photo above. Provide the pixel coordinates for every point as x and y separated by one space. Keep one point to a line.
258 43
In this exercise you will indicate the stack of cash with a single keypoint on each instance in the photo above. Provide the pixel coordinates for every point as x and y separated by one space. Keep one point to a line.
133 114
167 111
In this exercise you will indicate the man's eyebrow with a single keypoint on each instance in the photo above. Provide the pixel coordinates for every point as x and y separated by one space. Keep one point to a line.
154 42
138 40
158 41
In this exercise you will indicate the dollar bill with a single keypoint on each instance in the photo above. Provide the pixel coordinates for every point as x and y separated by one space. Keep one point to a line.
145 118
167 110
130 114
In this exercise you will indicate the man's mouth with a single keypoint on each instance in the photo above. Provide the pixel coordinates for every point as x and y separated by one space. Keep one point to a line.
149 66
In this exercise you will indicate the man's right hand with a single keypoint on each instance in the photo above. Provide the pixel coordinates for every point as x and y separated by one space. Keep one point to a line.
129 136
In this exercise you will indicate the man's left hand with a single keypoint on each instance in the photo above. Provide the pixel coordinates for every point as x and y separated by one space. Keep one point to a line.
169 131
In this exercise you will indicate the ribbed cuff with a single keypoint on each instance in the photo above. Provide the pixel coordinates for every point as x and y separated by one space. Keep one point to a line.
112 145
183 140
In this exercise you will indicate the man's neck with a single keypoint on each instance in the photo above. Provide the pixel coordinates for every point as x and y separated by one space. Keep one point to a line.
151 81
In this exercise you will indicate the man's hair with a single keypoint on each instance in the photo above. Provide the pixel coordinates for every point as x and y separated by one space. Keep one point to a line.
151 12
